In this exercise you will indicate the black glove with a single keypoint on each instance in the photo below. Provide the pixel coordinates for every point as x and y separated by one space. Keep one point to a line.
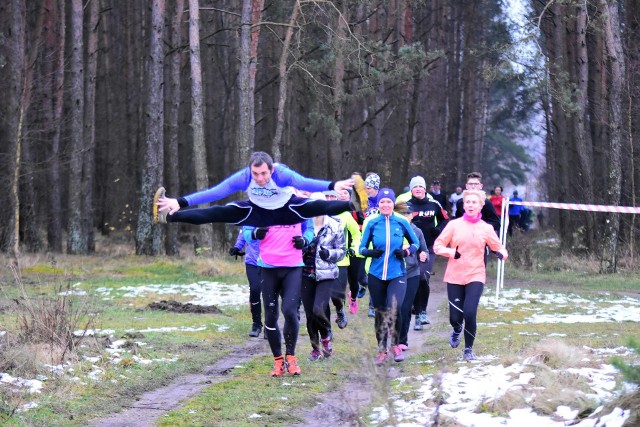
324 253
350 252
498 255
400 253
259 233
298 242
373 253
457 255
235 251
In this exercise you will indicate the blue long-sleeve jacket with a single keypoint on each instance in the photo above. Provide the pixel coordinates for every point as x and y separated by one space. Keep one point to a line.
387 234
276 193
251 249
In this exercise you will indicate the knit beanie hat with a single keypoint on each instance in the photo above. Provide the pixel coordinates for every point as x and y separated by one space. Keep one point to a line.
417 181
387 193
373 181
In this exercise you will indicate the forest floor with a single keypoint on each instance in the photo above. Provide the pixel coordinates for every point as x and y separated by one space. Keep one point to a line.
342 406
191 362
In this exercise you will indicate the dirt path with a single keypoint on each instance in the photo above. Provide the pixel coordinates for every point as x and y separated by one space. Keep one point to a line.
340 407
344 406
151 406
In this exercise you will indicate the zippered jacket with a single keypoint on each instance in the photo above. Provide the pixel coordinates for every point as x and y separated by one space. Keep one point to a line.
387 233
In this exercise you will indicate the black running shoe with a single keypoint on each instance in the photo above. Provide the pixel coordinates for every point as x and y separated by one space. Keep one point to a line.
255 331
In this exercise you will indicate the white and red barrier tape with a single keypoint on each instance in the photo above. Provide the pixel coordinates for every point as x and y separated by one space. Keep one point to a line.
581 207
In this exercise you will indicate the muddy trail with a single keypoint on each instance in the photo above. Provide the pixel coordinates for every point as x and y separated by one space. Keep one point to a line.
154 404
344 406
340 407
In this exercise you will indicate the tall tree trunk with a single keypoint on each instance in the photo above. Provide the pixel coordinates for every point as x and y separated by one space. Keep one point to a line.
453 146
335 153
197 119
54 41
249 37
90 127
106 158
632 31
76 240
172 100
148 237
580 119
284 81
616 66
15 111
29 227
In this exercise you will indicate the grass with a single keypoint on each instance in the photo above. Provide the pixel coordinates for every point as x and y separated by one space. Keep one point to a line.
250 390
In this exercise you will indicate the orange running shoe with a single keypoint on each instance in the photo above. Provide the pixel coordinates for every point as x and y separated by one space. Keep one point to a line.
292 365
278 367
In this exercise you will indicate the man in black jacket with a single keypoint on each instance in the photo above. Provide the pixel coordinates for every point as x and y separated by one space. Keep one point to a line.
489 215
430 217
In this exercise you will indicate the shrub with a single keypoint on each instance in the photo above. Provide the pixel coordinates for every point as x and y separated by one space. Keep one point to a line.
629 372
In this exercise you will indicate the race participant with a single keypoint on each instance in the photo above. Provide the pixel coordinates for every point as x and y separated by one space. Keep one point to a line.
251 253
271 199
489 215
430 217
352 234
319 277
382 240
463 241
280 263
355 260
413 263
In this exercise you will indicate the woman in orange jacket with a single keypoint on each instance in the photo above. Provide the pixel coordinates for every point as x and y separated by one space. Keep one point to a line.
463 241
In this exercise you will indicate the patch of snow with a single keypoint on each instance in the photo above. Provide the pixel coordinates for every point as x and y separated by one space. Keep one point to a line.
33 386
465 390
596 310
203 293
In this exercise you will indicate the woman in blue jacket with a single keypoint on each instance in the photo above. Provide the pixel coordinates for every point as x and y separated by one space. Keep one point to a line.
382 240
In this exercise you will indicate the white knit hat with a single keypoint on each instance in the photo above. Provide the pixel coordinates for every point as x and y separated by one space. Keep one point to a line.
417 181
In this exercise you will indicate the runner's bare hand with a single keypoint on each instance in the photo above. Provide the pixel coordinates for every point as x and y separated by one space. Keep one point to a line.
167 203
345 184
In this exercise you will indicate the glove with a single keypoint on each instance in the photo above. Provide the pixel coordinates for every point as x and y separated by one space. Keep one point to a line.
400 253
298 242
373 253
259 233
235 252
350 253
499 255
457 255
324 253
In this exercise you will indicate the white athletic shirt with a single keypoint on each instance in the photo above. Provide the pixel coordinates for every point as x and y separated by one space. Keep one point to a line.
270 196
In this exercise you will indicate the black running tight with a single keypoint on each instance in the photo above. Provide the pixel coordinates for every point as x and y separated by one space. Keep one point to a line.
285 282
463 307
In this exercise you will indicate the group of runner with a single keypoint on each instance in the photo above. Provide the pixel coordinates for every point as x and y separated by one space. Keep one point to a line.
306 249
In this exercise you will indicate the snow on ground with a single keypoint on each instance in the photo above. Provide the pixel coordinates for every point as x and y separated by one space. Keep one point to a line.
204 293
545 304
472 384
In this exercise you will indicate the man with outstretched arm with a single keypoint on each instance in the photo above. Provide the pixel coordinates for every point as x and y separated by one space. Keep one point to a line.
271 199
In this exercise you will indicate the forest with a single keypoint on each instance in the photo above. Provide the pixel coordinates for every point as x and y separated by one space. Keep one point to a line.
106 100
